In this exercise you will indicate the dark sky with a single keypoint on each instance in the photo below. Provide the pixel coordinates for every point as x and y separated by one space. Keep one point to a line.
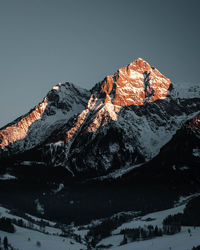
43 42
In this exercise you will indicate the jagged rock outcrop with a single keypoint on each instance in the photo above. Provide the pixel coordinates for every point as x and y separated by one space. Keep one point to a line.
135 84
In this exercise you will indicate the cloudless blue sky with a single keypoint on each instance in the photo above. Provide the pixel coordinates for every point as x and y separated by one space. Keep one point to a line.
43 42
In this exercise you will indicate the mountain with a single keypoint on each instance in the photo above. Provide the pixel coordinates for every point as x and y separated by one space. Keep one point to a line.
176 166
124 155
31 129
183 148
120 124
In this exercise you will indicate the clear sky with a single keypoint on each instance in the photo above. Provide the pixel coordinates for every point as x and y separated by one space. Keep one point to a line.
43 42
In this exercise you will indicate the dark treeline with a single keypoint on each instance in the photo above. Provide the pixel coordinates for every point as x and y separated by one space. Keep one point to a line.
105 227
31 220
136 234
147 232
6 225
189 217
94 201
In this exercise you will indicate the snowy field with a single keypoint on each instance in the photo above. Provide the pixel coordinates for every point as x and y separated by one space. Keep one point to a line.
28 239
20 240
179 241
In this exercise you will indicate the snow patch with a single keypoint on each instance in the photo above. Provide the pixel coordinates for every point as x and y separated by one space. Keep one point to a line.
135 75
60 187
184 168
5 177
39 207
196 152
114 147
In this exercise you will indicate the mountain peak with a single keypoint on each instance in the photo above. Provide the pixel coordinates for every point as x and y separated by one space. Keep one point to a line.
135 84
140 64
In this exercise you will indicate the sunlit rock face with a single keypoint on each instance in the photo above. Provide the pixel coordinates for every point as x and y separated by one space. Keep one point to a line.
30 130
135 84
19 129
122 122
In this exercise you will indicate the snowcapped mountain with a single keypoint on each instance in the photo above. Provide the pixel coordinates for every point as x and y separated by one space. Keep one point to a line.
122 122
30 130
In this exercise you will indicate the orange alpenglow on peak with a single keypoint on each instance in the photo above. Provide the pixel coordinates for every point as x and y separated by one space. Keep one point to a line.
135 84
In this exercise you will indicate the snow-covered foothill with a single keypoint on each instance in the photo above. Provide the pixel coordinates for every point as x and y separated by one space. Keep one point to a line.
156 219
179 241
26 239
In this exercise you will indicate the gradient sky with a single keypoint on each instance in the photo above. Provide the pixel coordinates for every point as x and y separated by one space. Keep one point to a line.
43 42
